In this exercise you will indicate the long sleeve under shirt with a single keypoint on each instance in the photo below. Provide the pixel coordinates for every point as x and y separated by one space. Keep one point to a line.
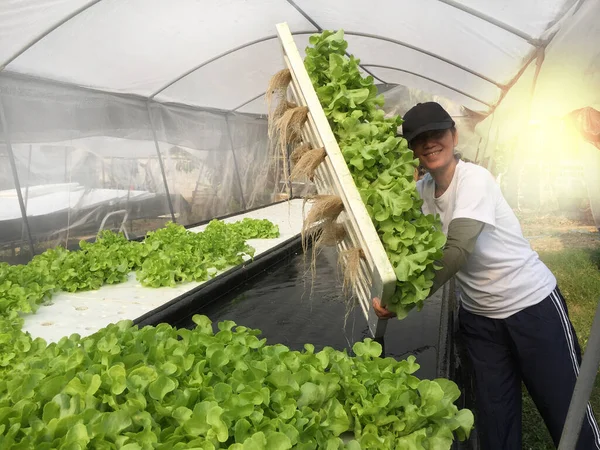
460 243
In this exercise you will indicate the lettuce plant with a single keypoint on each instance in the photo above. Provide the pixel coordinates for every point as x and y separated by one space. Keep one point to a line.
165 388
381 165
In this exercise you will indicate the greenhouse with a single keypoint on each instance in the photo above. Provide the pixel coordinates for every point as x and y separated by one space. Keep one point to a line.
175 176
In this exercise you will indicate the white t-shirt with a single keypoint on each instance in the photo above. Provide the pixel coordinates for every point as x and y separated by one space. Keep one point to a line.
503 275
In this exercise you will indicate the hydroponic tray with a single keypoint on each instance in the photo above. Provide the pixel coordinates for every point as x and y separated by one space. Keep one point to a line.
86 312
377 277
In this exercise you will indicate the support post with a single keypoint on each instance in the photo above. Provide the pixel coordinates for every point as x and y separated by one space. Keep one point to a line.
160 163
583 388
237 170
13 166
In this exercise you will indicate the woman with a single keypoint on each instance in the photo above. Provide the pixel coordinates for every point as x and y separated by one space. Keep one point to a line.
513 318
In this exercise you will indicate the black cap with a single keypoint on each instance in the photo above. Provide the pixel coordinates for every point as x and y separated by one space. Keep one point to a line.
424 117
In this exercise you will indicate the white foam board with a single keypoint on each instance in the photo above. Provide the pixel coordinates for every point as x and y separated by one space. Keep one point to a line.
86 312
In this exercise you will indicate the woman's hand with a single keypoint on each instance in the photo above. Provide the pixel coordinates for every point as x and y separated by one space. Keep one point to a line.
381 311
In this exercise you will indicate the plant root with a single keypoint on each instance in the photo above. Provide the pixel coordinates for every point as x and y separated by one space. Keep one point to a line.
308 163
325 208
299 152
350 260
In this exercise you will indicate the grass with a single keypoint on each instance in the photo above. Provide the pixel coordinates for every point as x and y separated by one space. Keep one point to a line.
578 273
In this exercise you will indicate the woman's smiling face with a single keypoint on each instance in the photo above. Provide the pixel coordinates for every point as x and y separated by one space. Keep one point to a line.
435 149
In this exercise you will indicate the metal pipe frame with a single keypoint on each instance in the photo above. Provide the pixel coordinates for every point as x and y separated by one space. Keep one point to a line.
583 388
516 78
348 33
160 162
320 29
504 26
248 102
432 80
13 167
451 3
235 164
47 31
458 91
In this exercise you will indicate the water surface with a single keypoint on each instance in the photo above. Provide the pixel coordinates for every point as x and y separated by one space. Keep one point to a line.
292 308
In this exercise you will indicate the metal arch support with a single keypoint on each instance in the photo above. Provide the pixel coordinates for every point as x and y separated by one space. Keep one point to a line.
535 55
348 33
248 101
452 3
364 67
320 29
391 68
235 164
160 163
305 15
539 61
412 47
530 39
504 26
425 52
432 80
459 6
532 57
215 58
46 32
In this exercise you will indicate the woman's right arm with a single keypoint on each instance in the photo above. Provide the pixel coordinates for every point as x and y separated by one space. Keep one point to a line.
460 243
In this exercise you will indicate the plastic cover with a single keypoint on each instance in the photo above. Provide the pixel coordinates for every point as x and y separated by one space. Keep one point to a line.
138 46
87 160
147 46
125 114
570 76
79 158
220 83
21 22
14 243
568 79
534 17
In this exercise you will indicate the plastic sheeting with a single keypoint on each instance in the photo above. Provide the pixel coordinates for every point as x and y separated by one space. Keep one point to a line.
20 250
220 83
137 46
535 17
533 118
164 99
147 46
24 20
569 79
199 163
103 156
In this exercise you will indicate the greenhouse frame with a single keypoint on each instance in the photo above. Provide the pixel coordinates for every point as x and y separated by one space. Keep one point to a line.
77 98
126 115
